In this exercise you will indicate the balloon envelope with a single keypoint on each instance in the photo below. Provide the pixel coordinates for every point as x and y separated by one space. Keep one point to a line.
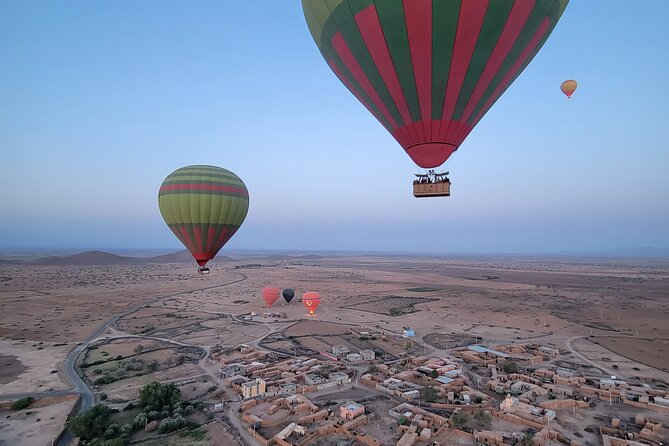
429 70
568 87
288 294
203 206
311 300
270 294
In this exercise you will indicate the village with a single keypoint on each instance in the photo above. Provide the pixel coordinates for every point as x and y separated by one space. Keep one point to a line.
516 393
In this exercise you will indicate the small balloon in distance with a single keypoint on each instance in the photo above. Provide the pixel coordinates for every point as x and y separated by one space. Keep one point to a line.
568 87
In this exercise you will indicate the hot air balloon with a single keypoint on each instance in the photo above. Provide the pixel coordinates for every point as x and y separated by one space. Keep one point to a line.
288 294
311 300
428 70
568 87
203 206
270 294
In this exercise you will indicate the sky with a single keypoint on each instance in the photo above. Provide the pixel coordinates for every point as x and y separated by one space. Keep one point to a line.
100 101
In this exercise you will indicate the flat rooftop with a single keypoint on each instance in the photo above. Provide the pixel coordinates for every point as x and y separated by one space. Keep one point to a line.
480 349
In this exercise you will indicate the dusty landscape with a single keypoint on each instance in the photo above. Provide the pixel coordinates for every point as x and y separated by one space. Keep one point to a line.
610 313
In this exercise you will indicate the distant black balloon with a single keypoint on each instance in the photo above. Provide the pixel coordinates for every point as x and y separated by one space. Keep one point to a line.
288 294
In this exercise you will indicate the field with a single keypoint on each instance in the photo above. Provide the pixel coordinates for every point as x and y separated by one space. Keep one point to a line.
613 312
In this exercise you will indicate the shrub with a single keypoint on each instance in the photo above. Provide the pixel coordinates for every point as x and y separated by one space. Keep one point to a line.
510 367
139 421
22 403
171 424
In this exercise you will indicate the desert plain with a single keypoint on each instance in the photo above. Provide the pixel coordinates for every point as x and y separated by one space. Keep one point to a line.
610 314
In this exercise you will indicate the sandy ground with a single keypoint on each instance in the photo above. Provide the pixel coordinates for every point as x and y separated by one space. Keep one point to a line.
38 361
36 425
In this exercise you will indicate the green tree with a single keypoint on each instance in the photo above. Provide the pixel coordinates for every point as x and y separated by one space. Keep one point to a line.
510 367
402 420
92 423
434 374
154 396
139 348
528 440
22 403
429 394
459 420
482 419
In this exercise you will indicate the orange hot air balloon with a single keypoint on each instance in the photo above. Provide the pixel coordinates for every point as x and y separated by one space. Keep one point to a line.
568 87
311 300
270 294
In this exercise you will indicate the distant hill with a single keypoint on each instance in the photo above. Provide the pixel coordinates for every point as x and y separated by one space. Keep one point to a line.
90 258
635 252
183 256
7 262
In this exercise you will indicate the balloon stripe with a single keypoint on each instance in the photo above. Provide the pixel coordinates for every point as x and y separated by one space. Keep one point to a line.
517 19
372 34
445 22
496 17
469 26
418 16
539 13
346 23
185 187
391 17
515 70
368 105
317 14
351 63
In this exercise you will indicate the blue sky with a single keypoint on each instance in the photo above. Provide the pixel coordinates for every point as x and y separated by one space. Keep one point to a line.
99 101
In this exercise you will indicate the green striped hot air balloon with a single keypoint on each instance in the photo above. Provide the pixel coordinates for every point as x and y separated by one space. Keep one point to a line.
429 70
203 206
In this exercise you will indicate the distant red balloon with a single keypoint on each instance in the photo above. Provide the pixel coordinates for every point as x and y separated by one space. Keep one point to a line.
270 294
311 300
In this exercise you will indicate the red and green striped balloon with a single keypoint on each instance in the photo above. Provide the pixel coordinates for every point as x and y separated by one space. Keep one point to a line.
429 70
203 206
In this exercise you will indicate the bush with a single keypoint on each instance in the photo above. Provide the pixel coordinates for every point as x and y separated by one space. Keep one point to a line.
171 425
126 429
112 431
510 367
139 421
189 410
139 348
482 419
459 420
22 403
